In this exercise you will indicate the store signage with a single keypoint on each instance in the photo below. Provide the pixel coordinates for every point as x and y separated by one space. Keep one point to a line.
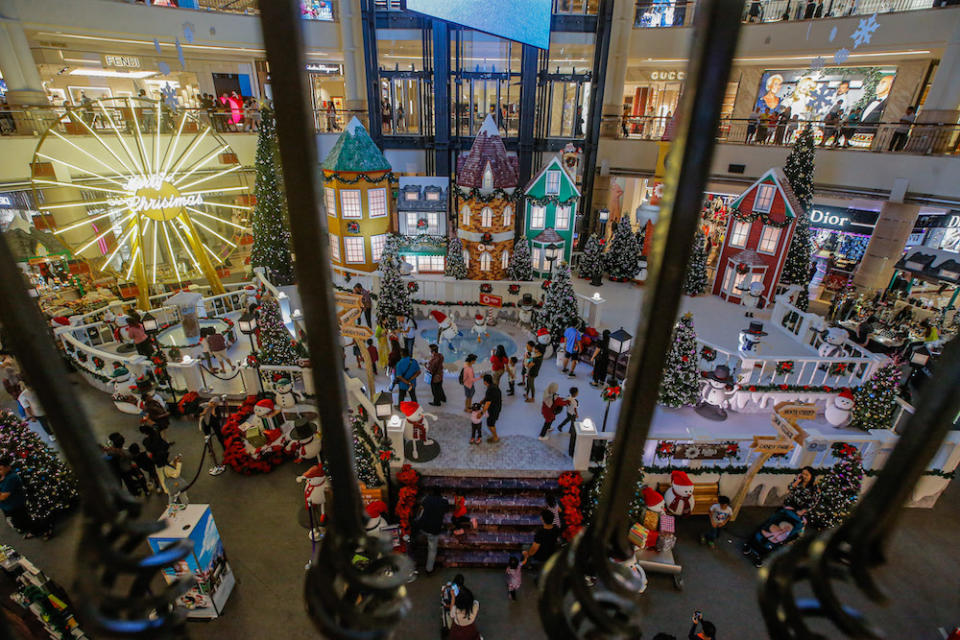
155 197
6 201
835 218
668 75
325 68
130 62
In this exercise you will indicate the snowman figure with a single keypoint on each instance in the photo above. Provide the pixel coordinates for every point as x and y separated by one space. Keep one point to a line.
375 521
415 427
750 337
314 497
752 297
716 389
838 412
833 341
446 329
123 398
260 428
678 499
480 327
287 398
304 443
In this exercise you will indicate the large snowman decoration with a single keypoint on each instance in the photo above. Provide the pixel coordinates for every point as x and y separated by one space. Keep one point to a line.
314 497
838 411
124 394
716 389
678 499
446 329
480 327
833 341
750 337
752 297
304 443
287 398
415 427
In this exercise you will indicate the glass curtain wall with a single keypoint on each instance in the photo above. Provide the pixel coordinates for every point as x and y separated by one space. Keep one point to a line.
485 71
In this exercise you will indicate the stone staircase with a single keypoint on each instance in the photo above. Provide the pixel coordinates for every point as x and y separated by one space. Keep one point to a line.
507 511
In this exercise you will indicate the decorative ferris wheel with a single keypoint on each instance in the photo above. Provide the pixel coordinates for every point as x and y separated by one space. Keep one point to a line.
142 193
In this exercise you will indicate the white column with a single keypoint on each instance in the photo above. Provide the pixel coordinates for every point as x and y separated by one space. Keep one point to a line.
620 32
18 67
351 41
894 226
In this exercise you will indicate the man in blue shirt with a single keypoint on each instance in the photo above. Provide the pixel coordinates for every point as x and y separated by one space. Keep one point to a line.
13 502
571 344
406 327
405 376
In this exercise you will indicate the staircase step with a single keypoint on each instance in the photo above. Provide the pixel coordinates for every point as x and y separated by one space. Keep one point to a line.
512 503
487 540
458 558
456 483
501 519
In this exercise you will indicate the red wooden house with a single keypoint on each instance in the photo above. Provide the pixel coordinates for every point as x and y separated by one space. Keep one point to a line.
759 231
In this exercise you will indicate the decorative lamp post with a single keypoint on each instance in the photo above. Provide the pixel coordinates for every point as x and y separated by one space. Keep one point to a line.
603 215
150 324
552 253
384 408
248 326
620 343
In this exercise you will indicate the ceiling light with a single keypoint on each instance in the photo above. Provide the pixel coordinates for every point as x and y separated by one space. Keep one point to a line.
109 73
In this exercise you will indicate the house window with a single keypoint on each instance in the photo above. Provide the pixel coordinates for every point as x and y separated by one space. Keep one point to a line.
377 243
553 183
377 200
508 216
353 247
769 239
350 204
486 217
334 247
764 198
466 258
433 223
487 184
739 234
538 215
562 221
411 220
465 215
430 264
331 200
485 261
411 195
535 258
433 195
505 259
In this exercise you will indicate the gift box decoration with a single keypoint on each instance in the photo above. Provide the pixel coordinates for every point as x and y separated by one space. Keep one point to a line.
638 535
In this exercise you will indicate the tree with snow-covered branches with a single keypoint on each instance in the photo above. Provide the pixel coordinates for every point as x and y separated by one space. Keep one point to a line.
839 489
456 267
680 385
875 401
591 261
560 309
394 298
520 266
798 169
695 279
622 260
271 228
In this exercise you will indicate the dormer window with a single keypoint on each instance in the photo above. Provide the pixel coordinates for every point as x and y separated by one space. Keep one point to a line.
553 183
487 178
412 195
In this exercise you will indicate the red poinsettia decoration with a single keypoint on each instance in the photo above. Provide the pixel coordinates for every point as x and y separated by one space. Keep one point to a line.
612 393
665 449
252 360
570 503
514 289
406 500
486 287
235 454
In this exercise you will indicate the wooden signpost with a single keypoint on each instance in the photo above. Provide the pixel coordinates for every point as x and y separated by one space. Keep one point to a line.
351 305
789 434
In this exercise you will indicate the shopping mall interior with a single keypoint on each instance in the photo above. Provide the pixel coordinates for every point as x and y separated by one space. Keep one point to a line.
242 237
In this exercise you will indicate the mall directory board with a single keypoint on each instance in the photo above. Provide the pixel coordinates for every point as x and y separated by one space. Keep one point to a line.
524 21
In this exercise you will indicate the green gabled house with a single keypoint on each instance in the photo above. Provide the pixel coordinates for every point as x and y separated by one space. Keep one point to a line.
549 215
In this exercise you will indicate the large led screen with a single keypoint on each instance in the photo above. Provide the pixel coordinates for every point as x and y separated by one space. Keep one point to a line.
526 21
812 94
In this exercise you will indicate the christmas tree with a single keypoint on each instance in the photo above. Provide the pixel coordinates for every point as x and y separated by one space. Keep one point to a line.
521 265
591 262
592 493
622 260
560 309
49 485
456 268
271 230
875 401
681 378
799 172
394 299
695 280
276 343
365 453
839 489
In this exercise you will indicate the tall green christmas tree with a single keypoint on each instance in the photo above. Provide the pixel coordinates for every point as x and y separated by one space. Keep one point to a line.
839 489
394 298
560 309
622 259
875 401
521 264
681 378
49 485
276 343
592 493
456 267
799 172
365 453
591 262
695 279
271 229
641 236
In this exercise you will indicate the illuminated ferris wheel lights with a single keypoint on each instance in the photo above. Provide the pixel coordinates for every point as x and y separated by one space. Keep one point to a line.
78 186
186 247
75 167
87 221
102 235
86 153
133 262
144 162
104 144
189 150
116 249
202 162
156 139
75 203
217 190
235 167
116 131
228 206
154 276
172 148
173 256
212 254
203 226
218 219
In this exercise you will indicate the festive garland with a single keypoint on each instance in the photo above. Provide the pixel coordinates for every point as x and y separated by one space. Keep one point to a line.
419 241
549 200
839 368
611 393
844 450
546 284
766 219
666 449
785 367
98 362
742 469
742 268
353 227
792 387
413 287
363 176
708 354
497 194
571 512
406 501
514 289
486 287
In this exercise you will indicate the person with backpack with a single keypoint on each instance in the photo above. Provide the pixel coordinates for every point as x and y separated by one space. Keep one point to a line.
405 376
550 407
468 379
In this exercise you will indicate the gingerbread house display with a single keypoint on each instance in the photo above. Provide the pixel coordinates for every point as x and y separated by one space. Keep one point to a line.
487 177
358 193
759 231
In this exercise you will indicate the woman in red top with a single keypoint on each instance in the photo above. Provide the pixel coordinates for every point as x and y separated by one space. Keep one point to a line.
499 363
137 334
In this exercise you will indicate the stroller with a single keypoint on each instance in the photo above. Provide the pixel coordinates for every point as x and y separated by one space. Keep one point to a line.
779 530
